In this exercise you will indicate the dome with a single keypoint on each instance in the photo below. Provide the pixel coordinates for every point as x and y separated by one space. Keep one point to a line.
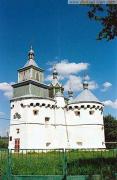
31 60
85 96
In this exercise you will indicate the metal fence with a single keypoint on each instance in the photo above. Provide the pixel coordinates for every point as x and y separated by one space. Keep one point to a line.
58 164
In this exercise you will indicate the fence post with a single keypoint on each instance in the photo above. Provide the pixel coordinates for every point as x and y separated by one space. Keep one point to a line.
65 165
9 165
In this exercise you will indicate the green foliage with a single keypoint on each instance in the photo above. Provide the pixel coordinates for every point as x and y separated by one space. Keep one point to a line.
110 126
3 142
107 16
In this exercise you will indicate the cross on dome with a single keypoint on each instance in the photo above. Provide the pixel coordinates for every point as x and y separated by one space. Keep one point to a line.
55 73
85 83
31 53
31 59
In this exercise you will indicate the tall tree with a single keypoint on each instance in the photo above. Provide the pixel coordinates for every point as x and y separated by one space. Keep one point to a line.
110 125
107 16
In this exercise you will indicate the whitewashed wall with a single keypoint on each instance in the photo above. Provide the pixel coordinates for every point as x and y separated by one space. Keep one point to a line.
64 129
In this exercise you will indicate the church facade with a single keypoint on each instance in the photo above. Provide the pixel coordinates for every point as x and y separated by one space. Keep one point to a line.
42 118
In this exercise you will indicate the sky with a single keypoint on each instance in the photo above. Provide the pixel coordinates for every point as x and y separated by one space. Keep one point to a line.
61 34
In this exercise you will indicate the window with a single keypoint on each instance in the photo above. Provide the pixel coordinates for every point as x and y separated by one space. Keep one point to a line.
21 105
18 131
70 107
77 113
37 104
79 143
35 112
31 104
88 106
47 119
10 138
48 143
91 112
82 106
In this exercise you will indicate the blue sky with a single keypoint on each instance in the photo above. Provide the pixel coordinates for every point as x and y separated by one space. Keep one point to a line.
58 32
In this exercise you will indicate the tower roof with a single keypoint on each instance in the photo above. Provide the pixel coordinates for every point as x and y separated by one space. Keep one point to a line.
86 95
31 60
55 81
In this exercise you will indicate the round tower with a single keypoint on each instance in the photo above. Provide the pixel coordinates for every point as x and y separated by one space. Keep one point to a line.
87 117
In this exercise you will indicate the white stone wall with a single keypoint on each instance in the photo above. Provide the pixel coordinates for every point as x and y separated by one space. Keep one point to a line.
64 129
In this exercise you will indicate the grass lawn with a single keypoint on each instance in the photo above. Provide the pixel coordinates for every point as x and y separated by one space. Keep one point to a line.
53 163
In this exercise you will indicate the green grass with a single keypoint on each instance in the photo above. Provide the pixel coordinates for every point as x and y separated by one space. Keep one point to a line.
52 163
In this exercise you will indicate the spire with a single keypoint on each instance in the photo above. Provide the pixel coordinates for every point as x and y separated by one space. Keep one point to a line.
31 60
31 54
85 83
55 73
70 92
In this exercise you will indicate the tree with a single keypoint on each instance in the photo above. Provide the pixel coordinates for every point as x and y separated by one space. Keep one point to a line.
110 125
107 16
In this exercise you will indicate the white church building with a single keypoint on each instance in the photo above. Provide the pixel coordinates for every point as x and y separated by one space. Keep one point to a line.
42 118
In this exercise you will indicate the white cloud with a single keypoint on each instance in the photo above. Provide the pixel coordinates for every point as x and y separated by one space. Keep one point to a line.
7 89
66 68
87 78
106 86
93 85
112 104
75 82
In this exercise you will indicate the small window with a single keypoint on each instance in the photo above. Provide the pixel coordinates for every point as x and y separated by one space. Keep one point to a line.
79 143
12 106
43 104
31 104
91 112
77 113
47 119
10 138
21 105
18 131
37 104
48 143
88 106
82 106
35 112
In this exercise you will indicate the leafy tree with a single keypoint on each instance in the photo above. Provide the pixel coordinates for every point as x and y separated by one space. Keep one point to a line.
107 16
3 142
110 124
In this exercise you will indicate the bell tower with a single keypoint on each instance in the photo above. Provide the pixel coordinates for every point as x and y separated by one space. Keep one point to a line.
30 79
